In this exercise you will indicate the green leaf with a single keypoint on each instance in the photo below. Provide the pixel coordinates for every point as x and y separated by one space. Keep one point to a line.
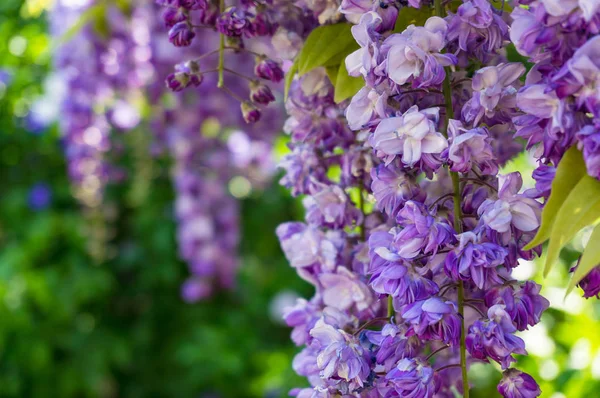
289 78
580 209
326 46
570 170
332 73
411 16
346 86
589 260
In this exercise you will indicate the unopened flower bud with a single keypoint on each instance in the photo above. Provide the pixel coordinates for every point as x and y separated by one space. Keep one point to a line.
250 112
181 34
261 93
268 69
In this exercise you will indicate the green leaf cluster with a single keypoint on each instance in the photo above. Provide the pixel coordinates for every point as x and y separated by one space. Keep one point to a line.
574 204
328 46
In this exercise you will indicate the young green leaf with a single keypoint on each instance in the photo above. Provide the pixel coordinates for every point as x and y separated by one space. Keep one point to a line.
580 209
346 86
326 46
589 260
332 73
570 170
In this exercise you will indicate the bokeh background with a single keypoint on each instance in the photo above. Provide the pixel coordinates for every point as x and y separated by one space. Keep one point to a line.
71 326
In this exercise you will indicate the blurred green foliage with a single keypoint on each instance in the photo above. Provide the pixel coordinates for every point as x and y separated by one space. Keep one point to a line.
70 327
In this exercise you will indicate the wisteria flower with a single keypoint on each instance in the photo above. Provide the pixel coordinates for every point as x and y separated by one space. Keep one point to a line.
517 384
522 302
477 29
433 319
393 344
392 187
345 290
340 355
410 135
494 339
411 378
475 261
366 105
494 92
470 148
511 208
364 60
416 54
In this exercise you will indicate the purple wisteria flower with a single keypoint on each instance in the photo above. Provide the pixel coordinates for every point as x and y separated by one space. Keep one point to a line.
589 142
433 319
494 93
345 290
341 355
411 135
393 344
415 54
420 233
470 148
411 378
543 176
365 106
303 170
590 284
233 22
365 60
476 261
494 339
302 317
392 187
522 302
477 29
511 208
580 76
390 275
517 384
330 206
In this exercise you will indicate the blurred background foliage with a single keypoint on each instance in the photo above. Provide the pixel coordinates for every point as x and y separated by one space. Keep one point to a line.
70 327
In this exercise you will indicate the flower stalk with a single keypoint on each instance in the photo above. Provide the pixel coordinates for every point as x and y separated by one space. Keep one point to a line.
447 90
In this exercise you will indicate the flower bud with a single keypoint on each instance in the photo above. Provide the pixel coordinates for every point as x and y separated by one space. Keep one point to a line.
250 112
517 384
260 93
268 69
181 34
233 22
171 16
178 81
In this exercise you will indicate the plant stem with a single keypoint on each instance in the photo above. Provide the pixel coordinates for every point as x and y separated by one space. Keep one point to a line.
447 89
442 348
221 66
390 309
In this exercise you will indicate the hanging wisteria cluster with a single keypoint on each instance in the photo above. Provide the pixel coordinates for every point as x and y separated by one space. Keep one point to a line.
92 107
202 134
126 52
408 295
